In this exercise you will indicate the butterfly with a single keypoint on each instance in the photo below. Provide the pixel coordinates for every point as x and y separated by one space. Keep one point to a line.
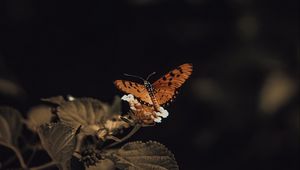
161 91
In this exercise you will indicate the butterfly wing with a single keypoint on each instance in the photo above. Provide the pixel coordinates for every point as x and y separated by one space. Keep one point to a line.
166 86
138 90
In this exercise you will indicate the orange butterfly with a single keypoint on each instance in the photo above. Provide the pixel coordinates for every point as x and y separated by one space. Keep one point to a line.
161 91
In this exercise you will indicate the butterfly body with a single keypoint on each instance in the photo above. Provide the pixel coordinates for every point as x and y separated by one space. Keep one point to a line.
150 90
161 91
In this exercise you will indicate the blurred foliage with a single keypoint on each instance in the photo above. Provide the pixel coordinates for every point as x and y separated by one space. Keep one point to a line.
38 116
11 125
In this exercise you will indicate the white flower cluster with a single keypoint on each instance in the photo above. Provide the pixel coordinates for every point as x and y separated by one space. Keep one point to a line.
131 100
135 105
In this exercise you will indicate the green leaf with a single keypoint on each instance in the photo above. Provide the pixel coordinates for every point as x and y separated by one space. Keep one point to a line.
84 112
10 125
149 155
59 141
38 115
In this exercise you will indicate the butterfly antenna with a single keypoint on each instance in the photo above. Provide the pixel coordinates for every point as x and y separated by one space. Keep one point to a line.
129 75
150 75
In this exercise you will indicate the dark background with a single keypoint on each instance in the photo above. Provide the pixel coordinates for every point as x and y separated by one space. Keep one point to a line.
238 110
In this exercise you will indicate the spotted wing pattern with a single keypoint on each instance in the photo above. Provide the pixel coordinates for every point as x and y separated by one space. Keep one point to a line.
138 90
166 87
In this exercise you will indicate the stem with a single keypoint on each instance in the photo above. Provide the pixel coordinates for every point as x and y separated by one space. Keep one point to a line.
80 138
19 156
132 132
46 165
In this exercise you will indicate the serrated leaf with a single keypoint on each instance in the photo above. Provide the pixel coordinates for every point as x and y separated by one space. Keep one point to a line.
105 164
11 125
149 155
38 115
83 111
55 100
59 141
